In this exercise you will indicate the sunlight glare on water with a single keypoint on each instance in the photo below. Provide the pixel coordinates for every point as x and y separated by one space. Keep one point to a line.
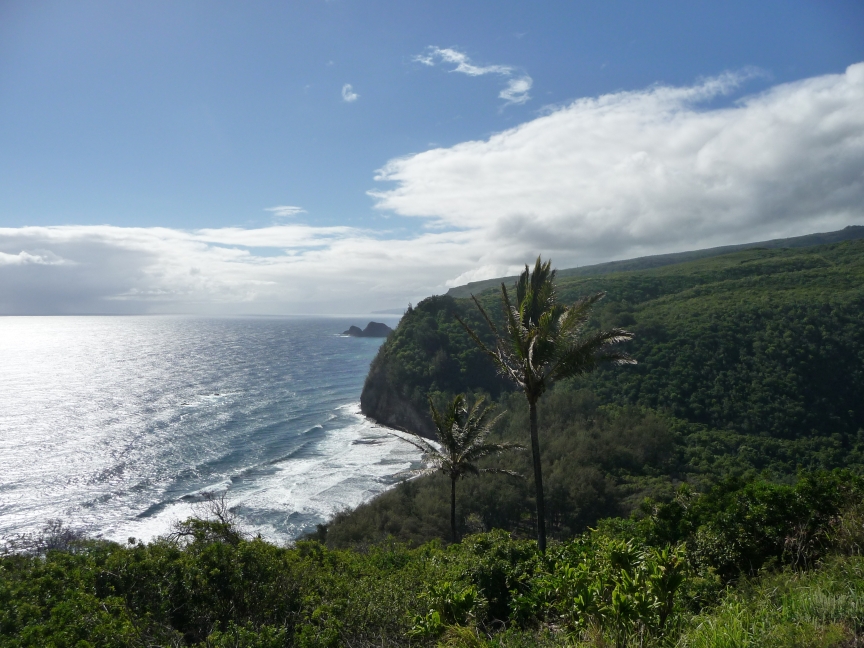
116 425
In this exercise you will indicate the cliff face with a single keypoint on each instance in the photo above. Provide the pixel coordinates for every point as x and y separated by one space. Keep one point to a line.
382 402
428 354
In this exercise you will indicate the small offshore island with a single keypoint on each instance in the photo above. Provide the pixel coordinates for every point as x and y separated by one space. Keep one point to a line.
373 330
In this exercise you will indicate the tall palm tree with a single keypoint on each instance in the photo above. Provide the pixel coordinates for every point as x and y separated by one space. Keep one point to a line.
462 433
545 341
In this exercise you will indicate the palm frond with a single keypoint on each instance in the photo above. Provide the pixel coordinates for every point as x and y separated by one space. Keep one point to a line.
522 285
478 452
577 316
502 471
418 442
583 355
616 358
515 325
420 472
505 359
462 432
494 355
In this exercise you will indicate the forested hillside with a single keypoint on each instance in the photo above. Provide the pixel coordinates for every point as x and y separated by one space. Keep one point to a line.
748 362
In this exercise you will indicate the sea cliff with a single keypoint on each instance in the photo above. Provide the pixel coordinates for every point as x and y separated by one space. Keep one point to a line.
384 404
428 355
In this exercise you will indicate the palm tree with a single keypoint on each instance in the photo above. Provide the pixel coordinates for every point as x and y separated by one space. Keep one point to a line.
545 341
462 435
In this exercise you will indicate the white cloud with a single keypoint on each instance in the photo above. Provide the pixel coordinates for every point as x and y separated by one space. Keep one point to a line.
290 269
348 94
650 171
604 178
483 272
516 91
285 211
41 257
463 63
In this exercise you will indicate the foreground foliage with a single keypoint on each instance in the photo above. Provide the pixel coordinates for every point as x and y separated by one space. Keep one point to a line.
819 609
682 573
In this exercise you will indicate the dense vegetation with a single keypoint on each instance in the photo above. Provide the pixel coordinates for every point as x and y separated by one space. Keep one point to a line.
749 362
791 552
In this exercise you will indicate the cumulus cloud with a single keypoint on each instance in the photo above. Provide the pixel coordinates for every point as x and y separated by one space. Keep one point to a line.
610 177
650 171
285 211
348 94
516 91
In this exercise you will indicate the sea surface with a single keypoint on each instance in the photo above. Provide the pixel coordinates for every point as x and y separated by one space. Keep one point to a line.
119 425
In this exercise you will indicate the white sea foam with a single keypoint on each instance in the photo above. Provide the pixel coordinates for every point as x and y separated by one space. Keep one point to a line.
346 468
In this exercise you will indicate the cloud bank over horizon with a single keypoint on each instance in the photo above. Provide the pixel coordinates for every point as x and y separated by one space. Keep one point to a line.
611 177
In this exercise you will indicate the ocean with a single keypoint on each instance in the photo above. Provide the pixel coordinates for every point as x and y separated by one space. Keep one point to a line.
118 426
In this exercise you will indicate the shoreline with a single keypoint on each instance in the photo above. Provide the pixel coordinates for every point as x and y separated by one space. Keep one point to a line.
364 455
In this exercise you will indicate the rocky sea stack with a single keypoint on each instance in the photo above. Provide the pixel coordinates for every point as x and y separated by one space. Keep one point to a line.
373 329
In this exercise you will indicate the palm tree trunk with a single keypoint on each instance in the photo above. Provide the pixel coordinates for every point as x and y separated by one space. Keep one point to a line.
453 508
538 479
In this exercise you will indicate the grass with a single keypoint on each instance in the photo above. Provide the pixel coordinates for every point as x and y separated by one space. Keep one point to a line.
819 609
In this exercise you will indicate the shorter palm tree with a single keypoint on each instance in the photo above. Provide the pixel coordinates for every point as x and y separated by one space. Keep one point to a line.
462 433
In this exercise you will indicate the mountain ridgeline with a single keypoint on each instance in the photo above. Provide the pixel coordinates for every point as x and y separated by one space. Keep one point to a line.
749 361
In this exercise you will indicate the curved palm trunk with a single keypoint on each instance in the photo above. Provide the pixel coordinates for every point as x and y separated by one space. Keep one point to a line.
538 479
453 508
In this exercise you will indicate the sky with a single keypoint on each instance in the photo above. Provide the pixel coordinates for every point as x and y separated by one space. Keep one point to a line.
340 157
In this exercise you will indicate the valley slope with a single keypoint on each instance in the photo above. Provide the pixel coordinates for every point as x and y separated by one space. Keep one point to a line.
749 361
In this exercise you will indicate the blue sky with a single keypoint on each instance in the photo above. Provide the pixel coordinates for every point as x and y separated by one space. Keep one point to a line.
165 130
